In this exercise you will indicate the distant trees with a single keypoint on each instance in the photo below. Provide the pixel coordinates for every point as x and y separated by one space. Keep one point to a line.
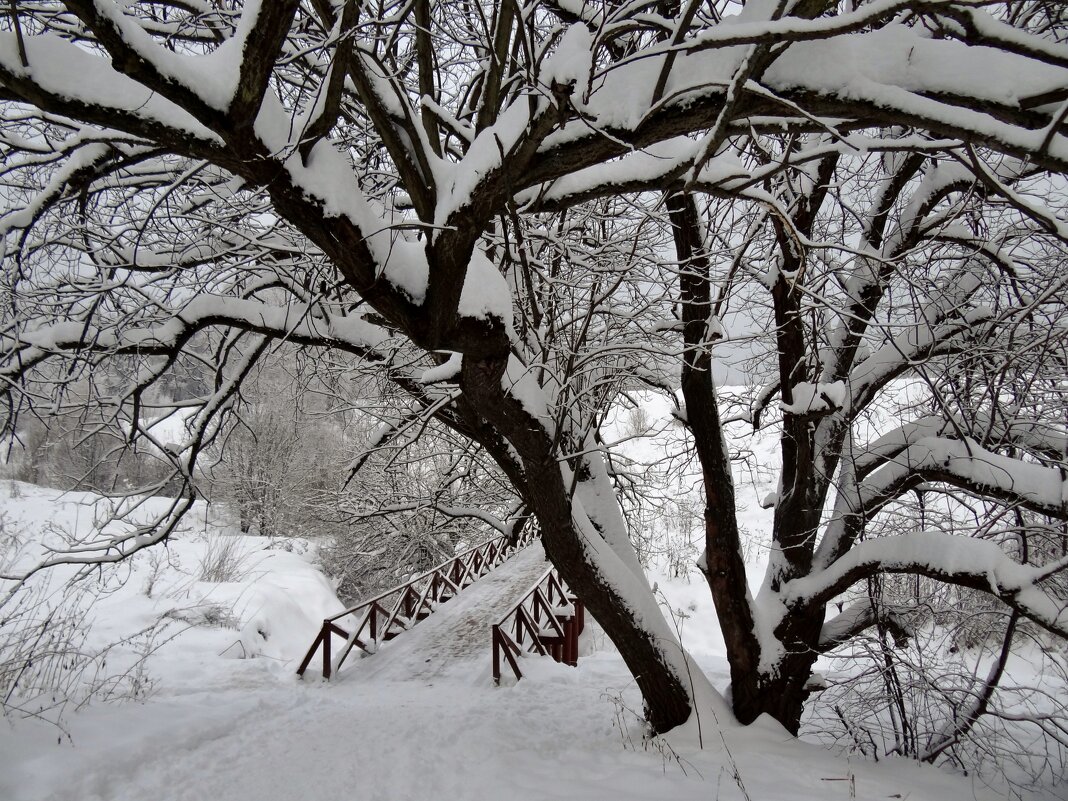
514 213
83 441
301 454
282 456
412 501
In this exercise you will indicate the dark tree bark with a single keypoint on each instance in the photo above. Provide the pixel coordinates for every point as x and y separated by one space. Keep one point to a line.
668 703
780 693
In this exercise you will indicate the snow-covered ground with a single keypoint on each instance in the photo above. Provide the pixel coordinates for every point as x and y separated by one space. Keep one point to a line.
217 712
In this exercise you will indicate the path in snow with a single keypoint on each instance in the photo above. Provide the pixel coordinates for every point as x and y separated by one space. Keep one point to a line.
459 631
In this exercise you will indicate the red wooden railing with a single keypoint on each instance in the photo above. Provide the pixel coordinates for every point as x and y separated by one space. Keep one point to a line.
395 611
547 621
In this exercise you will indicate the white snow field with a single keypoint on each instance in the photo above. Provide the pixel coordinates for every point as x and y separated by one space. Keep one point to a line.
218 713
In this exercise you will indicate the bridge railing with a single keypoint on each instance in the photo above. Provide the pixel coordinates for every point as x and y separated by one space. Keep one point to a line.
383 617
546 621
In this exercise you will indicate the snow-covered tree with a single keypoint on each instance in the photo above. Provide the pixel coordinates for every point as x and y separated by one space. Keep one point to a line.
517 211
920 278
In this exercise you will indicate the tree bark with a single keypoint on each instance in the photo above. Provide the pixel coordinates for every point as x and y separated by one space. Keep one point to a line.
780 693
723 566
584 560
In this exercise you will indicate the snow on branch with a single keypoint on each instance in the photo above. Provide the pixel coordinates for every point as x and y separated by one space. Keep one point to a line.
66 79
964 561
966 464
889 445
862 615
663 164
1030 434
300 323
917 343
895 73
811 400
973 25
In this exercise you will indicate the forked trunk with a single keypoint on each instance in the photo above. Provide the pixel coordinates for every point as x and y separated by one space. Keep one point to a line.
783 693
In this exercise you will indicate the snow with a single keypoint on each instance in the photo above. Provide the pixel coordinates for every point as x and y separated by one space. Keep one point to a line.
552 736
522 384
446 371
809 398
598 501
171 430
485 293
420 718
571 62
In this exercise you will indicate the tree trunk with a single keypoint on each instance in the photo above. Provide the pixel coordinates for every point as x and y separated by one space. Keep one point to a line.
722 563
627 612
781 694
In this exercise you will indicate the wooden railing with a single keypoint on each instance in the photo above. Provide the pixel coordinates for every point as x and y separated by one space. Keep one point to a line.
547 621
393 612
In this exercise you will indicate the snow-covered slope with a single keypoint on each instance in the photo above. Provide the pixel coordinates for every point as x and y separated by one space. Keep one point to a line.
192 608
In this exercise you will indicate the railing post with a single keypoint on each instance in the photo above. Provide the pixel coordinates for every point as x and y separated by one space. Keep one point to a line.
496 654
308 657
326 650
541 608
571 641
